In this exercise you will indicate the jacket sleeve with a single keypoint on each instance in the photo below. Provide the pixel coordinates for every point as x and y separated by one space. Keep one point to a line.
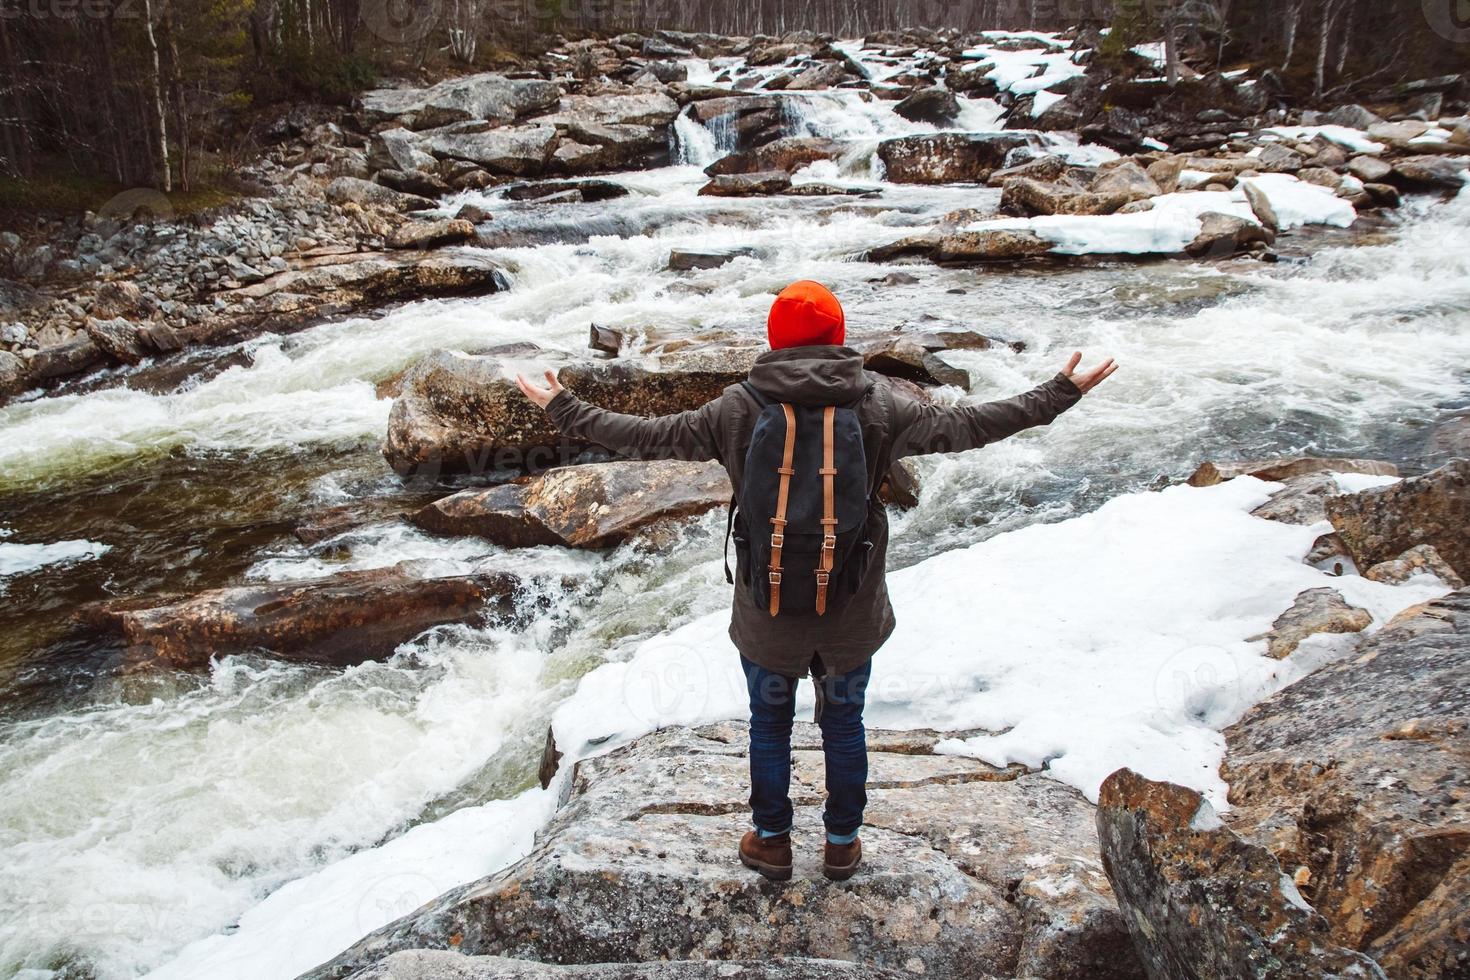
920 428
694 435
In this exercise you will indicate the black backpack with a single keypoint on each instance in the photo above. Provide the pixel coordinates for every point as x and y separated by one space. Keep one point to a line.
800 514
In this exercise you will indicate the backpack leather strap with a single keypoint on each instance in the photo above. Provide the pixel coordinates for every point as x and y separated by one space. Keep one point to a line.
778 522
829 509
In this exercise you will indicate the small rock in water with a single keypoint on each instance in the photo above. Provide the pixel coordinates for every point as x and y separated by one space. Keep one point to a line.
685 260
1314 611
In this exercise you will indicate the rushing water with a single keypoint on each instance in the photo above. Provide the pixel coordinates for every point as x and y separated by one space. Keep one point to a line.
138 814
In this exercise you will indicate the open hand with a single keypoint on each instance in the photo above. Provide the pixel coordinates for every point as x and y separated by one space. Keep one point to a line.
541 396
1084 380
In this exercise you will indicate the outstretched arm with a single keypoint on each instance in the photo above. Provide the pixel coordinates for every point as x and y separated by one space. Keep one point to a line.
920 429
692 435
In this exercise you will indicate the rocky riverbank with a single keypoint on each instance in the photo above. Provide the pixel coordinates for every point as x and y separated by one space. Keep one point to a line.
1092 156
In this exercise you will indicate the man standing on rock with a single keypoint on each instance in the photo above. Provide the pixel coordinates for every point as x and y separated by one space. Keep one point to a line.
806 441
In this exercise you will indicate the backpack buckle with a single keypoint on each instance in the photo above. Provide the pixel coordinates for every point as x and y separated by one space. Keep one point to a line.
829 542
822 578
775 578
778 540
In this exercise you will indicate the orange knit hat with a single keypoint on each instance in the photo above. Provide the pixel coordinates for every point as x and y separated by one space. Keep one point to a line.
804 314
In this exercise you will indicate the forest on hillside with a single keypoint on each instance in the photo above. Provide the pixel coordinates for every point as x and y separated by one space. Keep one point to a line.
162 93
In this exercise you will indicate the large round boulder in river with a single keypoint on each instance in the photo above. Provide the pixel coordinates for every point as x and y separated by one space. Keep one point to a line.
597 505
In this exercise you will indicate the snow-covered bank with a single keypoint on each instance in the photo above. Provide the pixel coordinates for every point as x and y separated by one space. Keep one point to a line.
1118 638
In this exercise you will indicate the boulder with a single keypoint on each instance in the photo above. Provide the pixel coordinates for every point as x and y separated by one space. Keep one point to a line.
397 149
1431 171
1222 235
1165 172
438 964
118 297
747 185
1126 179
993 245
12 374
340 620
930 105
688 259
1210 473
343 190
1314 611
968 871
825 74
1352 115
1369 169
596 505
1046 168
1301 501
903 358
946 158
1261 206
1449 437
118 337
431 234
521 151
486 96
413 182
1354 778
788 154
1026 197
647 108
606 340
588 189
1417 560
1200 901
1432 509
463 413
61 360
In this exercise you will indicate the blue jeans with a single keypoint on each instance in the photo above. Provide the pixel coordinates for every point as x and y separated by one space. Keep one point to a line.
840 699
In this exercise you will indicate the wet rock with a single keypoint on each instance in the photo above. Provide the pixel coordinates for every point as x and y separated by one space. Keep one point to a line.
968 871
473 214
1431 171
486 96
118 338
994 245
823 75
340 620
596 505
903 358
1222 235
337 284
1210 473
945 158
1383 195
747 185
606 340
431 964
588 189
463 413
1354 778
516 150
364 192
901 484
1450 437
61 360
1200 901
930 105
687 259
787 154
1417 560
1352 115
1432 509
1313 611
1301 501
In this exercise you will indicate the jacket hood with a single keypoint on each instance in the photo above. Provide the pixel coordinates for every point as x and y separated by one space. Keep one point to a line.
821 375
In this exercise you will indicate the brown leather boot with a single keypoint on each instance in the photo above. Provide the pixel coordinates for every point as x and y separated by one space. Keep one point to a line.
771 856
840 861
